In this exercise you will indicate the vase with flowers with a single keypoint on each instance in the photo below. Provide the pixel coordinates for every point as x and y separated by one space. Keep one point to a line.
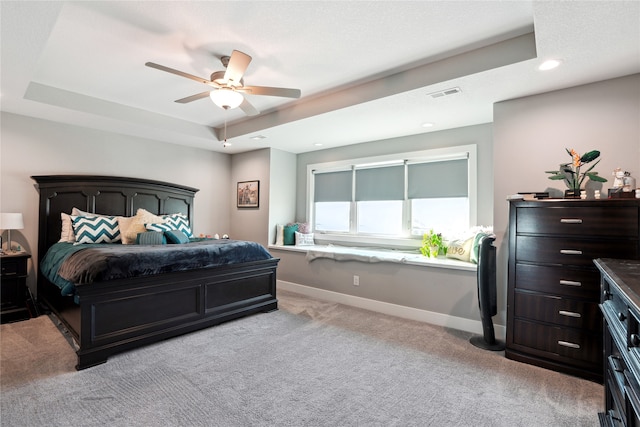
572 176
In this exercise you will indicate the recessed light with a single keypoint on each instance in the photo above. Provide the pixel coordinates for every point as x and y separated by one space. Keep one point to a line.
258 137
549 64
427 125
318 144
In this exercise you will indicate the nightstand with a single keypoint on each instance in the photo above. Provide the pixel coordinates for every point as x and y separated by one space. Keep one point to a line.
14 294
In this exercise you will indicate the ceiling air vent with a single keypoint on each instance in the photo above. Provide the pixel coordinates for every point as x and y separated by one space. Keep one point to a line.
445 92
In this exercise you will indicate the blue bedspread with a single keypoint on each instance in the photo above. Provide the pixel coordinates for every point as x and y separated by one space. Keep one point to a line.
67 265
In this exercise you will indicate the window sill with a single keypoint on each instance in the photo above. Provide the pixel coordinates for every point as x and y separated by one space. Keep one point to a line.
344 253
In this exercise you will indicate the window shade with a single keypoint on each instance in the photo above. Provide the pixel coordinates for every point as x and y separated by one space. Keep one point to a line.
333 186
381 183
438 179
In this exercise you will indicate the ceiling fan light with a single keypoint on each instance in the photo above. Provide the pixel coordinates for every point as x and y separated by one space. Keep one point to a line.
226 98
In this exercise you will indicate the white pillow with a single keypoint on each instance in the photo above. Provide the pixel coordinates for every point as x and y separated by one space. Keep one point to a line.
279 234
66 235
304 239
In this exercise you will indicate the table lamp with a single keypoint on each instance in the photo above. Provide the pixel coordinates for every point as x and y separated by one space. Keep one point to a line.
10 221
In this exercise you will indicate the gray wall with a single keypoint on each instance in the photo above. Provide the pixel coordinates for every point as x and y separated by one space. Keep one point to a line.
282 190
445 291
528 137
251 223
31 146
531 134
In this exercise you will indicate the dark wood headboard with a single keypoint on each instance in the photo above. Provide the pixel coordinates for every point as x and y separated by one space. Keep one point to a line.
107 195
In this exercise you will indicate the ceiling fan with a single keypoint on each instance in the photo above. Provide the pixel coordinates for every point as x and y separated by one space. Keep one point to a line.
228 86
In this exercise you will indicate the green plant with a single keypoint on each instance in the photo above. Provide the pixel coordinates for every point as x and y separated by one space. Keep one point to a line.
570 172
433 244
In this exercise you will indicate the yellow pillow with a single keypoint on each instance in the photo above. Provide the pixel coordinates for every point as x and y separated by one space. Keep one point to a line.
460 249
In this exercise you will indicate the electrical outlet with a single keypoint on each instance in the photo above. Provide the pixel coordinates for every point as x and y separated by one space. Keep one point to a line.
356 280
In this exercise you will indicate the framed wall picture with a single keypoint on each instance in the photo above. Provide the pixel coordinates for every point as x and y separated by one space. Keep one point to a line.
248 194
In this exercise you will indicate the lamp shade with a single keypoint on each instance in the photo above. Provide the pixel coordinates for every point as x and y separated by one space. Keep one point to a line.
11 221
226 98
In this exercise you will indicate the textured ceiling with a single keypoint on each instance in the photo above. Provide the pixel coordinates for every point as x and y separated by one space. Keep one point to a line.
365 68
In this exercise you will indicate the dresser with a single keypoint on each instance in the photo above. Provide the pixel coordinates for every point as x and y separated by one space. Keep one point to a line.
620 307
553 292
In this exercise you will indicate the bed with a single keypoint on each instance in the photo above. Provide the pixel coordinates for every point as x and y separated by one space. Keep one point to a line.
106 317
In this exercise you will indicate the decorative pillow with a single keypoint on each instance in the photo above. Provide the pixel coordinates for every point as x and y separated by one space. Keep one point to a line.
279 234
151 238
460 249
179 222
176 237
303 227
136 225
99 229
66 235
304 239
161 227
289 237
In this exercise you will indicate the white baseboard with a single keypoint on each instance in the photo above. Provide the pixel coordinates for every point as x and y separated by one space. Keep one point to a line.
439 319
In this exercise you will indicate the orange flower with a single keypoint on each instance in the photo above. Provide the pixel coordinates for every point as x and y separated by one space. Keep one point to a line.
576 159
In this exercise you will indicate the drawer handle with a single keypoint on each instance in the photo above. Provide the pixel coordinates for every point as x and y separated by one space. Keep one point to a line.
621 317
570 220
569 313
570 283
570 252
568 344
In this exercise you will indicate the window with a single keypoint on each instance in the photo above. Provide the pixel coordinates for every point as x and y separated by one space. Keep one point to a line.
389 198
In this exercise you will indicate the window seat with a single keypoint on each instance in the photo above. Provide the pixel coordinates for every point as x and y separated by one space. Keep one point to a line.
375 255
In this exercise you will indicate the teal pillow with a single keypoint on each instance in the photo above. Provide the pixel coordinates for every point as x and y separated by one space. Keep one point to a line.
176 237
290 234
151 238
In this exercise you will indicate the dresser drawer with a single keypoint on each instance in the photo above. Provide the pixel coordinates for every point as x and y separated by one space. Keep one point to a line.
558 310
572 251
557 280
558 343
610 221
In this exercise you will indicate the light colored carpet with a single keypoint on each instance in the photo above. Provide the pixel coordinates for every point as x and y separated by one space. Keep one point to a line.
311 363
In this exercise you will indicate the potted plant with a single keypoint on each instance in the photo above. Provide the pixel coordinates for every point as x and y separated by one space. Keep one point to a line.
571 175
433 244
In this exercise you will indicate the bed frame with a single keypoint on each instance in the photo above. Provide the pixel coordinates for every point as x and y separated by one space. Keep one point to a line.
118 315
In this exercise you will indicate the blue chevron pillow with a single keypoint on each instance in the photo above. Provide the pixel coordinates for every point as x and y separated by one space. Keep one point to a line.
96 229
179 222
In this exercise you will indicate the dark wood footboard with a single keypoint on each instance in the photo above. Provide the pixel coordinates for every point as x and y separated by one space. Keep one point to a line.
127 314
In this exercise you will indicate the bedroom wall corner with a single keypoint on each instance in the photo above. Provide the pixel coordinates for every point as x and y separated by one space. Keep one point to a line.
30 146
282 190
531 134
250 223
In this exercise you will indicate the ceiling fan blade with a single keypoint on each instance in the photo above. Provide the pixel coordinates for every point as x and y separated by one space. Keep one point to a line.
193 97
238 64
271 91
248 109
182 74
